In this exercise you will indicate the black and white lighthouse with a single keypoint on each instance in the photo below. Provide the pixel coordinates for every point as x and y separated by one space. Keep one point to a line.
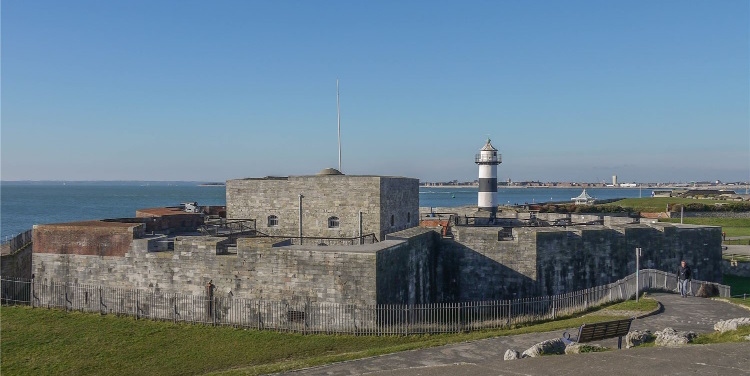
488 159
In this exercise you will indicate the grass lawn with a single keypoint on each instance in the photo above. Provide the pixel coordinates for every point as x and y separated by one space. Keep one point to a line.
42 341
740 301
658 204
643 305
740 285
732 226
730 336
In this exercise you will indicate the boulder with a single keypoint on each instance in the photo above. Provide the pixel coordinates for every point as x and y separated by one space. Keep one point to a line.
673 338
511 355
731 324
582 348
638 337
707 290
747 337
548 347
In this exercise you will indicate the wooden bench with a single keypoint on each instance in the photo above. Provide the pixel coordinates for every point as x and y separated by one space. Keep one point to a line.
601 330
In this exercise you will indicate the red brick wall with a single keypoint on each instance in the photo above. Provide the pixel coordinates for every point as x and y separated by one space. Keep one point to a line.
95 239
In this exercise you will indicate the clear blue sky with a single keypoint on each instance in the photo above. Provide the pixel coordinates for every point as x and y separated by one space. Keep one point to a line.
203 90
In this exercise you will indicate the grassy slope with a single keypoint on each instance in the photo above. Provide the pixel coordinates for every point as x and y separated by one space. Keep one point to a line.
730 336
732 226
643 305
658 204
41 341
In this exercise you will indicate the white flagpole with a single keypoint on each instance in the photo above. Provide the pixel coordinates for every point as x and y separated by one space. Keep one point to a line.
338 116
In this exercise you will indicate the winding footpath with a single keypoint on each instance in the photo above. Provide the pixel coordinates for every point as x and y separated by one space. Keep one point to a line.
485 357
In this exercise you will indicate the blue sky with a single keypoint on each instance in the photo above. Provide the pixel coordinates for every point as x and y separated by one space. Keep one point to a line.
196 90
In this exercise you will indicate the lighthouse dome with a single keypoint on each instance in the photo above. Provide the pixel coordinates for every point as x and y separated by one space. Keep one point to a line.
488 146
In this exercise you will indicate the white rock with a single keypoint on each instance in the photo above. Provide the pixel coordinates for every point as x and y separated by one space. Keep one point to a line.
548 347
511 355
637 337
731 324
672 338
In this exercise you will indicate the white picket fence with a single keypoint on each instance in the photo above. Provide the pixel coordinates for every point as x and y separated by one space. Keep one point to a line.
312 317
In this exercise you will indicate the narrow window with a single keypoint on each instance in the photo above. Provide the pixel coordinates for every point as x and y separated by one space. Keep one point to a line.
333 222
393 218
273 221
408 217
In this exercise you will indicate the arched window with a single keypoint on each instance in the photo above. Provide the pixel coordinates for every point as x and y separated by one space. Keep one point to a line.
273 221
393 220
408 217
333 222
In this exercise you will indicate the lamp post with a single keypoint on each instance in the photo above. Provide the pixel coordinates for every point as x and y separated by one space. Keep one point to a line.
300 218
637 273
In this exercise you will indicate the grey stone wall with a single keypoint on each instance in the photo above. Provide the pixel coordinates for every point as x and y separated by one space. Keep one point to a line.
478 266
342 196
16 264
546 261
407 273
261 268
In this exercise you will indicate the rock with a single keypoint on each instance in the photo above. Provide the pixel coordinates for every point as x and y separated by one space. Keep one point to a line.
548 347
637 337
582 348
731 324
707 290
747 337
511 355
673 338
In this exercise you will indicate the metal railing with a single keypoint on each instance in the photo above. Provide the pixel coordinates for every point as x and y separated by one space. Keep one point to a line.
312 317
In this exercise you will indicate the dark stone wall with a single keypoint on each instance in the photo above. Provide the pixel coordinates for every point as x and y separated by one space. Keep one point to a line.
407 273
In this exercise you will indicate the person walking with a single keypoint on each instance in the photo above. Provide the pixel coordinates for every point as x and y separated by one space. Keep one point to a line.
684 275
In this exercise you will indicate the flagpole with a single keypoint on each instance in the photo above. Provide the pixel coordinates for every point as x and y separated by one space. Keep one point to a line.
338 118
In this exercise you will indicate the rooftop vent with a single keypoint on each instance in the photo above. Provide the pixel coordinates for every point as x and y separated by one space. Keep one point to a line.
329 171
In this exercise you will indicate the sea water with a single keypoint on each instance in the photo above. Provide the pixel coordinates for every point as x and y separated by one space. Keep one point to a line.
24 204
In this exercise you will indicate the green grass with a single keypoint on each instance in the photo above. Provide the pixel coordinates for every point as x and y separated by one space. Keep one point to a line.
730 336
643 305
732 226
658 204
42 341
740 301
740 285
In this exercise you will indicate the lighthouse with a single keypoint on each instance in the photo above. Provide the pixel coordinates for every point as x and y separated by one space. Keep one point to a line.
488 159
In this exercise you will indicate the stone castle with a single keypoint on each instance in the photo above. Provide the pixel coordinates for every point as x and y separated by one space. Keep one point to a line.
360 241
354 239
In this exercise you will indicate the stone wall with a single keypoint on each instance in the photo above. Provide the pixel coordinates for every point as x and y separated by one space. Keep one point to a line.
552 260
413 266
86 238
342 196
261 268
407 273
16 264
15 256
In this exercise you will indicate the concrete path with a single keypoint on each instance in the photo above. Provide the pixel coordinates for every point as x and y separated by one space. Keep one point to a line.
737 249
485 357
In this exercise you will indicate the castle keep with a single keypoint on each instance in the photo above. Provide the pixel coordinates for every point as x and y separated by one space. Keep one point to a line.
331 204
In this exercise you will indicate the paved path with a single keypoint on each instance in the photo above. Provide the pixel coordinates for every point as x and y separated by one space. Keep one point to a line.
485 357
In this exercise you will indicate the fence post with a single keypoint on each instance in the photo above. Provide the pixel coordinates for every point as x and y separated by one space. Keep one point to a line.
213 310
407 319
31 298
135 304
